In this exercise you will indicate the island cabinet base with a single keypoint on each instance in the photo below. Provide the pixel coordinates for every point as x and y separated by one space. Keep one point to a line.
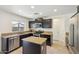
32 48
49 40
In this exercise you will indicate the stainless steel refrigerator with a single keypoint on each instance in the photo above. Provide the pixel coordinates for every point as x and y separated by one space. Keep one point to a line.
74 32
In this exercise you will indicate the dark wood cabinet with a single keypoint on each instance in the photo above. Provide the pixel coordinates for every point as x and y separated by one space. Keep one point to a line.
30 47
33 22
49 40
46 23
24 36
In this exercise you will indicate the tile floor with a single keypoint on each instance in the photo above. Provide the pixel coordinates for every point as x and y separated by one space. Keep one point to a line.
56 48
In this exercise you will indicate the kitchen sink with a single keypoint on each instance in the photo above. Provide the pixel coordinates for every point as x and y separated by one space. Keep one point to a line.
37 33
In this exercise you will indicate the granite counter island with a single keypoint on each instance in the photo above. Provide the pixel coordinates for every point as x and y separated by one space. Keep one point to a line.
34 45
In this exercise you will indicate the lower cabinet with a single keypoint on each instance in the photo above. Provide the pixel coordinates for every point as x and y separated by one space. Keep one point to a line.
49 40
32 48
24 36
10 43
16 42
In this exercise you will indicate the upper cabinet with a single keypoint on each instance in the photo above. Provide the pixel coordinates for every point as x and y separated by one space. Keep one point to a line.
47 23
41 23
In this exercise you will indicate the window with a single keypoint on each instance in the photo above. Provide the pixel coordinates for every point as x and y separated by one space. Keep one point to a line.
17 26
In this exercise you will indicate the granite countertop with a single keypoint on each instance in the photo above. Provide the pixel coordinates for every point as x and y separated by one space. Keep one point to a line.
26 33
36 40
47 33
10 36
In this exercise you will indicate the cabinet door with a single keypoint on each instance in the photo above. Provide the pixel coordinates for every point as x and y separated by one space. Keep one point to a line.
47 23
43 48
48 41
16 42
11 44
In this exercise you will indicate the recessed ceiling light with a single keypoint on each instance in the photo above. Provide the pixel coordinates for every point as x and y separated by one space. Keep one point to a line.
32 7
20 10
40 13
55 10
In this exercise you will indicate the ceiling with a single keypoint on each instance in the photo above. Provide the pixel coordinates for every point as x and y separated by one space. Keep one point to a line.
39 10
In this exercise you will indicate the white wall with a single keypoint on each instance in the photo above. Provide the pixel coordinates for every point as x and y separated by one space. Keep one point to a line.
5 22
58 29
60 26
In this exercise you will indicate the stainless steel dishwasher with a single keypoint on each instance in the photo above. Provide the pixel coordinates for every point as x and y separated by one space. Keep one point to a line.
10 43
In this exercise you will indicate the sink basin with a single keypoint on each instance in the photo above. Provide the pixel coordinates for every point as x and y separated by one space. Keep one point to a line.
38 32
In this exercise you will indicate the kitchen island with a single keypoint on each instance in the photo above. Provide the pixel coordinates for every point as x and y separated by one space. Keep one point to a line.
45 34
34 45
